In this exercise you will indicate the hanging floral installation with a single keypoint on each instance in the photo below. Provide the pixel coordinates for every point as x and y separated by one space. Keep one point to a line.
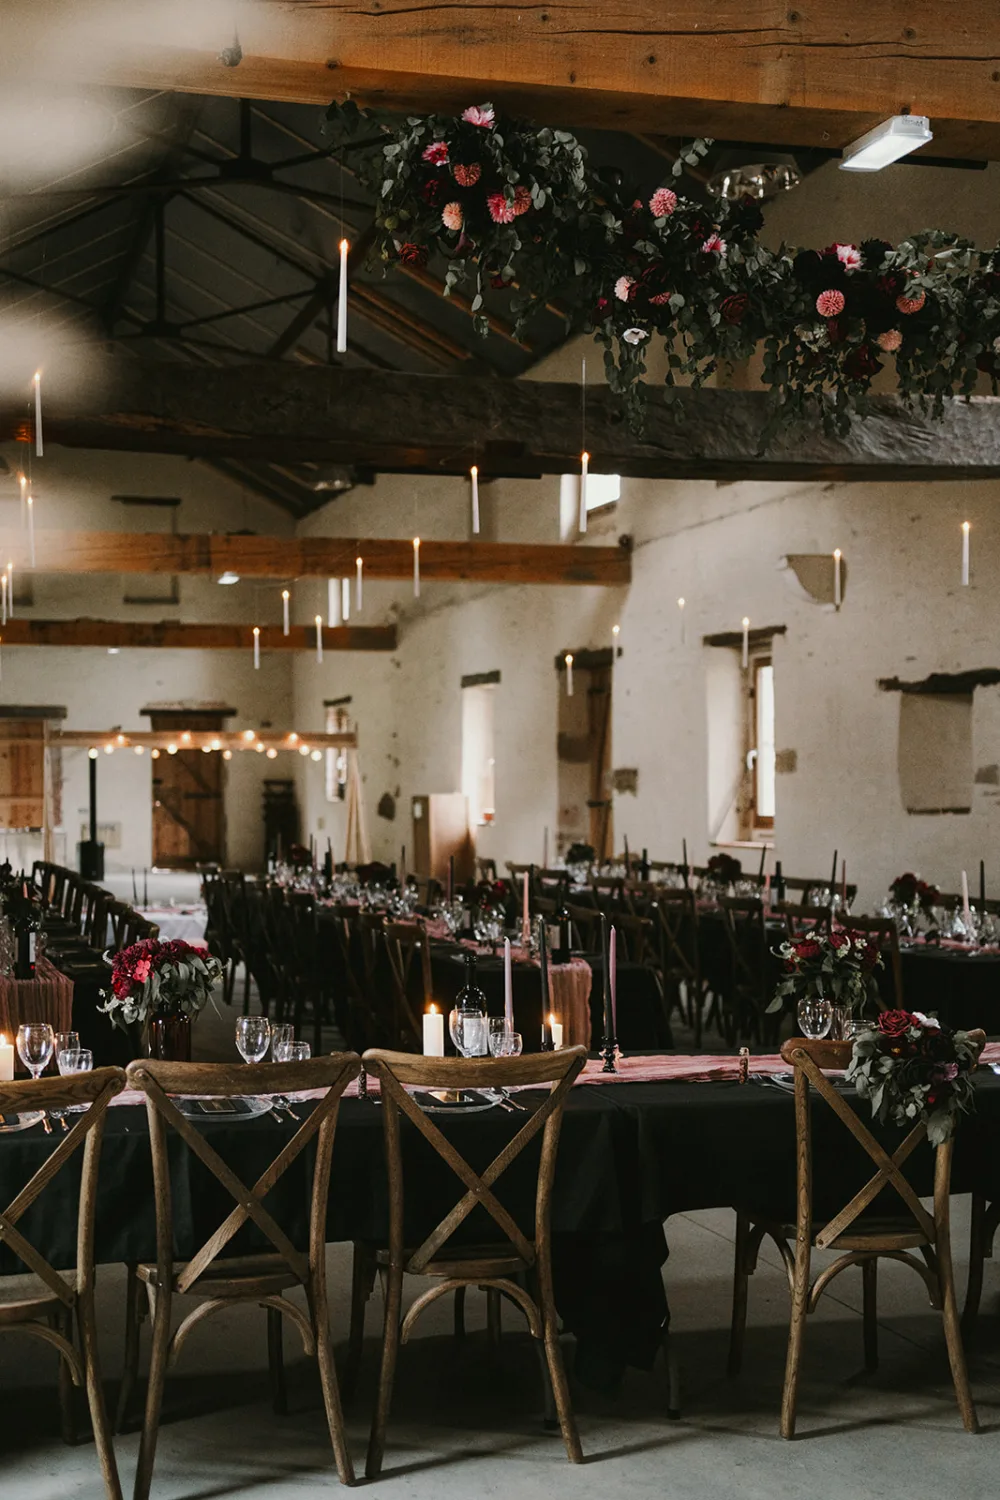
519 208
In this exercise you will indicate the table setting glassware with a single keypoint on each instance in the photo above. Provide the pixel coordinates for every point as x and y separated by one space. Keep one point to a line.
74 1060
815 1016
282 1035
253 1037
35 1044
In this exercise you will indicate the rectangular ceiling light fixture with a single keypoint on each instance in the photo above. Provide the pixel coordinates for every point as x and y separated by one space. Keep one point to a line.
887 143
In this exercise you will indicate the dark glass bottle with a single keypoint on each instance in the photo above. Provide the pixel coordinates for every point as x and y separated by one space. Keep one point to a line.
779 882
562 948
471 1034
24 921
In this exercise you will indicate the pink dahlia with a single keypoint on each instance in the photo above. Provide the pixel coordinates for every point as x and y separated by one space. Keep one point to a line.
849 257
522 199
480 114
623 288
912 304
467 174
830 303
890 340
452 216
714 246
436 153
662 203
501 212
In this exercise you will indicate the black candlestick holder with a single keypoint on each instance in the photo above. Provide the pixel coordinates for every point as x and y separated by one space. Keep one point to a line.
609 1052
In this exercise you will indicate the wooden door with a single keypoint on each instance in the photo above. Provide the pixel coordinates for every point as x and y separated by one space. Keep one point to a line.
188 809
22 773
599 726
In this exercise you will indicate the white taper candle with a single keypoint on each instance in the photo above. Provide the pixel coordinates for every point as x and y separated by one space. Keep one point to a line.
342 301
39 446
746 643
359 583
31 529
3 598
474 478
10 591
966 528
319 637
569 674
680 607
285 622
256 648
584 471
416 567
837 580
332 602
508 988
345 600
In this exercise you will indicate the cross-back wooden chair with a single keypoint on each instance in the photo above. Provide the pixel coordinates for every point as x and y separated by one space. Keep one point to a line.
800 919
862 1232
985 1223
409 953
224 1281
885 931
503 1265
676 914
745 996
608 891
43 1302
586 922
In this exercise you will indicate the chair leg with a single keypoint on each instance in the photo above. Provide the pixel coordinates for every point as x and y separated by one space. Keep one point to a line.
460 1313
554 1360
673 1377
953 1331
328 1379
869 1291
796 1338
276 1362
62 1321
977 1252
362 1286
550 1418
741 1279
95 1393
494 1329
154 1393
134 1297
390 1351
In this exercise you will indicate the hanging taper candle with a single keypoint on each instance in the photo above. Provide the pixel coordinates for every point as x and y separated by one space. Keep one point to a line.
837 578
359 583
256 648
569 674
680 606
332 602
39 446
31 529
584 455
966 528
22 480
10 591
319 638
746 642
416 567
3 598
474 481
342 300
584 471
345 600
285 623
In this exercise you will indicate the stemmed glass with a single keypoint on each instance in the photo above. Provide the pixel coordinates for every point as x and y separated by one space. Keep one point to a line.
815 1016
253 1037
468 1032
35 1045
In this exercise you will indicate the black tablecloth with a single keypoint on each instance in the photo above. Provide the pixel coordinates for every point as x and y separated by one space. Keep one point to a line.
630 1155
962 989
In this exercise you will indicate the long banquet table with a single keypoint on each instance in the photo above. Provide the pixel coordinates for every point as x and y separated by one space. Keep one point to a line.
631 1154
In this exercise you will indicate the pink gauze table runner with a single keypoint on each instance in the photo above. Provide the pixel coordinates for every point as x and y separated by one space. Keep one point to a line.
47 997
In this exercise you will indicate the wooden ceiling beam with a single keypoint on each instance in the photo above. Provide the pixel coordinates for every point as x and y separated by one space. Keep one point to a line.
169 635
397 422
319 557
819 75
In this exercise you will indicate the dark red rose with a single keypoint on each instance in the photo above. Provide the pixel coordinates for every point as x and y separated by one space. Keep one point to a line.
836 331
895 1022
746 216
413 255
432 192
891 284
734 307
861 364
601 310
807 948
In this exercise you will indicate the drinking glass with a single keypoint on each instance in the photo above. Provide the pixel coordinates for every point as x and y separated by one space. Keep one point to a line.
253 1037
815 1015
74 1060
297 1052
35 1044
468 1032
281 1037
515 1042
66 1041
499 1036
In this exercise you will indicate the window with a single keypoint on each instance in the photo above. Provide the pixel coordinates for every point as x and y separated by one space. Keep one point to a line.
337 722
603 490
763 747
742 757
478 761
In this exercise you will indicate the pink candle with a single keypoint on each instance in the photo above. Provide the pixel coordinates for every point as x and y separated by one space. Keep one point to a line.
525 918
613 967
508 987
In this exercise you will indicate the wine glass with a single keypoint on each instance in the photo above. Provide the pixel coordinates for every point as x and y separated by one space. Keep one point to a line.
468 1032
35 1044
281 1038
815 1015
253 1037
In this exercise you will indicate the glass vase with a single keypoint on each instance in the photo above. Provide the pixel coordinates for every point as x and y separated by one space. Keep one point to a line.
168 1038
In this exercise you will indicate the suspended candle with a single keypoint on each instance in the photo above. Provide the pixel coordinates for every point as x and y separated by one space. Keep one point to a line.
616 631
256 662
22 480
3 598
332 602
474 478
39 447
680 606
319 638
359 583
285 623
584 471
569 674
746 642
31 529
837 579
508 989
342 301
416 567
345 600
10 591
966 528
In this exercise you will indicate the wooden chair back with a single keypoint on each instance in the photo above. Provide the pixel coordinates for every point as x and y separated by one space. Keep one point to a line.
586 922
159 1080
801 919
608 891
746 997
409 952
676 913
845 1229
637 936
886 932
397 1070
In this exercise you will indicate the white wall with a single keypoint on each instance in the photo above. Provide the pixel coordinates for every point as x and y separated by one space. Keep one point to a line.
102 691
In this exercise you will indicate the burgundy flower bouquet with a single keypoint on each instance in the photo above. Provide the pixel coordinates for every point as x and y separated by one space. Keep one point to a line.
913 1070
725 868
152 980
838 966
910 891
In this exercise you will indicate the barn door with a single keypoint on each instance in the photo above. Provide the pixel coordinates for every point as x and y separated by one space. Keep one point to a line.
188 809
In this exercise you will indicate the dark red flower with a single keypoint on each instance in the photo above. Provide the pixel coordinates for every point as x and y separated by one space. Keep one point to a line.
734 307
413 255
861 364
432 192
895 1022
807 948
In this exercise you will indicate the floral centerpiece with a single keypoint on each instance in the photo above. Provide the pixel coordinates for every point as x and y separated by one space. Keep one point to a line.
725 869
914 1070
838 966
911 892
160 986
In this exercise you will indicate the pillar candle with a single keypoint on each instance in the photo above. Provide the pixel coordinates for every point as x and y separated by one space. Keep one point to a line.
342 301
556 1032
359 583
416 567
508 988
613 967
285 622
746 642
836 578
965 552
39 446
319 638
584 470
569 674
256 648
474 477
6 1060
433 1032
